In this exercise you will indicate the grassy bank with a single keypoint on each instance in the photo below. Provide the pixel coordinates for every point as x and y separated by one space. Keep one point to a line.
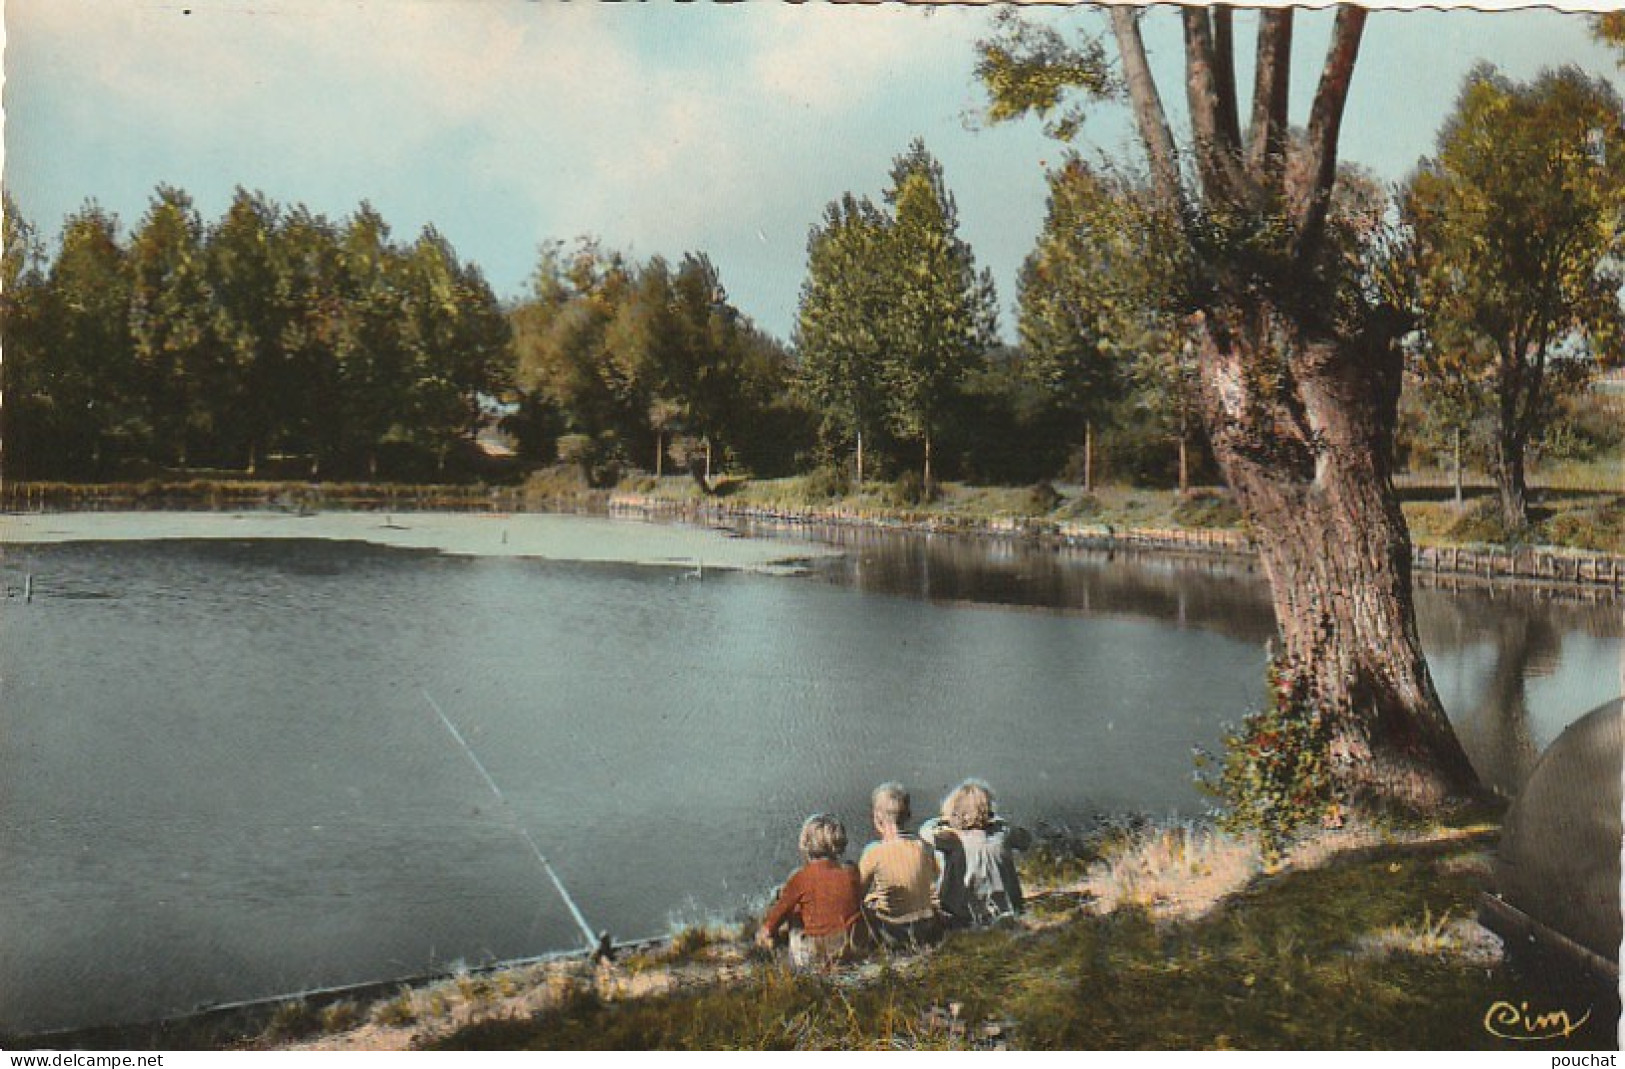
1563 516
1148 936
1369 946
1570 519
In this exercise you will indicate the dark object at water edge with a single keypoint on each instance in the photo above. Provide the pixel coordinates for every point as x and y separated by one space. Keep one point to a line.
1556 899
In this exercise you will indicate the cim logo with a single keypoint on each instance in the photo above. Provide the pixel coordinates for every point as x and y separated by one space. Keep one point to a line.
1506 1021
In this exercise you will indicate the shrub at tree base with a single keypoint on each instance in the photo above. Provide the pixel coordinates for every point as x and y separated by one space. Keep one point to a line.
1275 774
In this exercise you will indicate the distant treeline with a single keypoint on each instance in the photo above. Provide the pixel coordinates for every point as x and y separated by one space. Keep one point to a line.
277 341
270 332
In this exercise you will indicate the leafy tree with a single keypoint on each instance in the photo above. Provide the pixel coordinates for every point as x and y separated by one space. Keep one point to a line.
1300 367
177 351
633 358
1085 317
937 314
242 275
90 383
893 313
839 334
560 342
309 297
455 343
22 296
1517 226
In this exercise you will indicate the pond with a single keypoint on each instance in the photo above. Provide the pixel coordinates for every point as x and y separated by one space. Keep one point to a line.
226 776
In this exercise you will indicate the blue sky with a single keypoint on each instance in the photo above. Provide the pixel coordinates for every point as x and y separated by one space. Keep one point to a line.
658 128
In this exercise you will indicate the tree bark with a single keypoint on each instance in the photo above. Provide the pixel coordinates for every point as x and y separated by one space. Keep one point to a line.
1212 99
1511 479
1515 390
1325 126
1184 461
1313 476
1089 457
1148 112
1457 478
1272 77
1301 418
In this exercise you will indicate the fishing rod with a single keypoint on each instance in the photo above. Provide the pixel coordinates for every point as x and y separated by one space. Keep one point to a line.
599 942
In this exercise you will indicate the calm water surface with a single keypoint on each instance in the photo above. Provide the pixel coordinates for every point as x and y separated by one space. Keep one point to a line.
222 776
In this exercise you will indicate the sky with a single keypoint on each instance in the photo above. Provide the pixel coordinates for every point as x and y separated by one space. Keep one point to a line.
655 127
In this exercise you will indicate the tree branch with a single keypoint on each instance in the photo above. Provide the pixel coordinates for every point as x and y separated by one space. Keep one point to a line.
1224 69
1325 122
1149 116
1216 146
1266 151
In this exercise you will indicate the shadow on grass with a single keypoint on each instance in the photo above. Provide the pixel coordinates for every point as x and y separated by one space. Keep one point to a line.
1288 963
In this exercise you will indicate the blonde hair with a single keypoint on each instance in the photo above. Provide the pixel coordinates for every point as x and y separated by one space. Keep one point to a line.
969 806
890 801
822 837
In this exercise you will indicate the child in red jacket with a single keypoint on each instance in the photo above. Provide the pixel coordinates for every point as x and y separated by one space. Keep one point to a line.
821 903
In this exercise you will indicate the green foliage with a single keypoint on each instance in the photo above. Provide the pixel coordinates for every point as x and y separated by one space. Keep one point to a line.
270 332
1600 527
1029 68
599 458
909 490
648 354
1275 777
824 483
1206 508
894 316
1516 230
1042 498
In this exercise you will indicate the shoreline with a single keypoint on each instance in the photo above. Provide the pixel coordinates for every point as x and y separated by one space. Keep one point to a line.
1554 567
600 539
1559 570
1170 874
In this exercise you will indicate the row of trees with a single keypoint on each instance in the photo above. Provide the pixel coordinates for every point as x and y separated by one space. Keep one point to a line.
625 363
276 331
270 331
894 316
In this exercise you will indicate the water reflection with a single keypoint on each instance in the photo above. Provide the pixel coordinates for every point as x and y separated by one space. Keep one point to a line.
222 779
1513 664
1223 596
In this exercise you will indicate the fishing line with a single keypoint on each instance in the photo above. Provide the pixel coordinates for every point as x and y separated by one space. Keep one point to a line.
595 941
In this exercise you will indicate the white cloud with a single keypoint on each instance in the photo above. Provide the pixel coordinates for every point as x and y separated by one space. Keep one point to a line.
827 58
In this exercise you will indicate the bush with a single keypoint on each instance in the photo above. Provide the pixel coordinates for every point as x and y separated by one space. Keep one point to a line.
599 459
909 491
1042 498
824 483
1482 522
1205 508
1601 527
1274 777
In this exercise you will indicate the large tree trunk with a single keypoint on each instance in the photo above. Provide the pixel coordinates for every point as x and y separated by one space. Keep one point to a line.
1301 416
1310 466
